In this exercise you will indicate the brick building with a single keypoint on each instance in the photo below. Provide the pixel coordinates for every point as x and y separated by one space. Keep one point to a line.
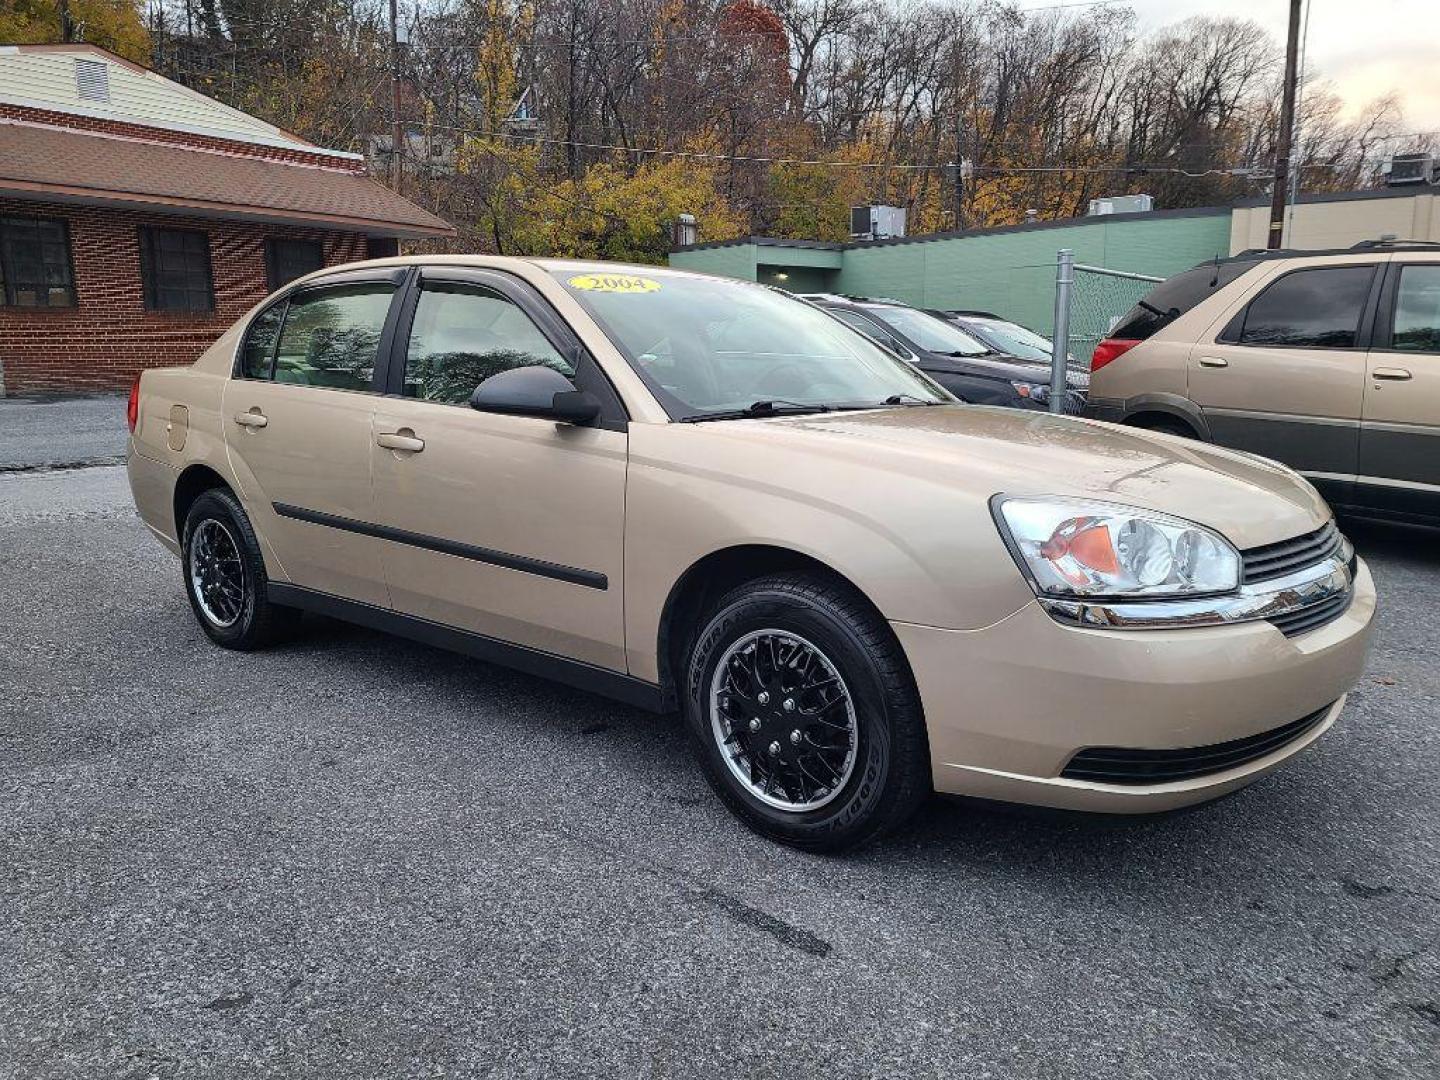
139 219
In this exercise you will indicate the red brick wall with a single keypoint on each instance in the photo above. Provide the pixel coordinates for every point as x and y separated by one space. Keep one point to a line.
50 118
108 337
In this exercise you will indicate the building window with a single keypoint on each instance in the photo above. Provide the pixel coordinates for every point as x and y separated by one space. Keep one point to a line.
175 268
286 260
35 263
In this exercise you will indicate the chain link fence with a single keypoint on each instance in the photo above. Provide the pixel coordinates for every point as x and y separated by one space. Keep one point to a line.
1097 300
1089 301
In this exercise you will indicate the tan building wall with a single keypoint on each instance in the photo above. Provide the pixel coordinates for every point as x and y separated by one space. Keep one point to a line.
1342 223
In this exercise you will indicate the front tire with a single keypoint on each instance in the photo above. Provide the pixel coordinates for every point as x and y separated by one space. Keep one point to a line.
804 714
225 576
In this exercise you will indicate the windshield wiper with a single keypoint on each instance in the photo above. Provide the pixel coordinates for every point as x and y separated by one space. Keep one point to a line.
909 400
769 407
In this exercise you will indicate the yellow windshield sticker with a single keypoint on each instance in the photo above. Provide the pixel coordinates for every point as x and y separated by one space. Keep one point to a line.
614 283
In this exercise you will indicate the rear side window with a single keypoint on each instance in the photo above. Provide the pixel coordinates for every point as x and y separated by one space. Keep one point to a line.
1417 310
464 334
330 337
258 351
1174 297
1319 308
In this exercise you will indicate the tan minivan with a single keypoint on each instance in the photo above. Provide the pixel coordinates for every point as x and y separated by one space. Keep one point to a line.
1327 361
695 493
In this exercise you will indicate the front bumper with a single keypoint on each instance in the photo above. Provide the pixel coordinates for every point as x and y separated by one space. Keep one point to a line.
1009 705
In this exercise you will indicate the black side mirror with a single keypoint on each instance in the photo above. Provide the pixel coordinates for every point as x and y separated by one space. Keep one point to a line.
538 391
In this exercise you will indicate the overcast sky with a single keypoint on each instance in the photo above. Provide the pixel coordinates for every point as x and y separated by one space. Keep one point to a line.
1366 48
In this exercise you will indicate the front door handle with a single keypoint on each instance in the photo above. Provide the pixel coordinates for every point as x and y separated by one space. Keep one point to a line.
404 439
1399 374
252 419
1214 361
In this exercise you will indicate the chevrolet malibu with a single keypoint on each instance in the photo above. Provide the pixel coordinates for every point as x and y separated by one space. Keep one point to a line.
700 494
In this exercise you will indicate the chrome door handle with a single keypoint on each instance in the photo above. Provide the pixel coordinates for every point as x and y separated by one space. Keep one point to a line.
404 439
1214 361
1399 374
252 419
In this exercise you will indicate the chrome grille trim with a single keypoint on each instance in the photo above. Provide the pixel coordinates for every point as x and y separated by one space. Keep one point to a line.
1300 593
1270 561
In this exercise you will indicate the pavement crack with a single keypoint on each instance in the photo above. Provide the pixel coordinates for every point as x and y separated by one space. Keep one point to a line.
755 919
60 466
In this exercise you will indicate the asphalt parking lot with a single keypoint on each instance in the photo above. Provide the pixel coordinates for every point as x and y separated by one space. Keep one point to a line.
357 857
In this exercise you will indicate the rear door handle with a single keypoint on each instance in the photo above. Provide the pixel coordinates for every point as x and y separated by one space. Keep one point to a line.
404 439
1397 373
1214 361
252 419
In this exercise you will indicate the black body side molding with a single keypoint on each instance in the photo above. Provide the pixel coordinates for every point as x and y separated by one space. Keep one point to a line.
590 579
596 680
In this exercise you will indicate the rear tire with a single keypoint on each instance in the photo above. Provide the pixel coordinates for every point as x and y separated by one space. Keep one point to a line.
804 714
225 576
1166 426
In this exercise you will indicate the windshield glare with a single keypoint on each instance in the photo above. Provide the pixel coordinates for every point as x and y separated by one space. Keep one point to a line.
929 333
707 346
1017 340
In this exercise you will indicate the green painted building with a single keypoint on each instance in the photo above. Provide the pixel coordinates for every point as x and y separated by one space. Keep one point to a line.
1010 271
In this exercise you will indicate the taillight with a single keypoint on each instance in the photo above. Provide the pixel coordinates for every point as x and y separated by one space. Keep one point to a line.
132 410
1108 350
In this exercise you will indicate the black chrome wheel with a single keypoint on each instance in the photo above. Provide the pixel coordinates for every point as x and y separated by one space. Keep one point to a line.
804 714
217 573
225 577
784 720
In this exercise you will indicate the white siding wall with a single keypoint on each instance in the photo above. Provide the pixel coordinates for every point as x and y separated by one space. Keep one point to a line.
47 80
1340 224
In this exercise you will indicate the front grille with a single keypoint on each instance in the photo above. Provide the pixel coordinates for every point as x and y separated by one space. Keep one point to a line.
1276 560
1312 617
1125 765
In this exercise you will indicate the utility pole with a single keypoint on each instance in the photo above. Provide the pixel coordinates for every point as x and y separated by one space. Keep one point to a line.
1287 128
67 24
396 136
959 168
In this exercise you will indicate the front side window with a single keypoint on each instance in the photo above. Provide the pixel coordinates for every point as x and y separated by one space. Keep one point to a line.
707 346
175 270
1318 308
286 260
35 263
929 333
1417 310
463 334
331 337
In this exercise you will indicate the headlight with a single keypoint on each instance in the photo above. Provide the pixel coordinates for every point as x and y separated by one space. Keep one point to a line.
1071 548
1034 391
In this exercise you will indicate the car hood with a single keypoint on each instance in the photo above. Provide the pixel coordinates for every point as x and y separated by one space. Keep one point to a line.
987 451
1003 366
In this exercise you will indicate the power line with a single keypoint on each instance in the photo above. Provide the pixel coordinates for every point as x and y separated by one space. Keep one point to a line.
758 159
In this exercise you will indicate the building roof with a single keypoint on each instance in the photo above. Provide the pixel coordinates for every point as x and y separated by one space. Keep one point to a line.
61 164
49 77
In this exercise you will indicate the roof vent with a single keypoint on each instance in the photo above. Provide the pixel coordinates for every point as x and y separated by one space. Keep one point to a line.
92 80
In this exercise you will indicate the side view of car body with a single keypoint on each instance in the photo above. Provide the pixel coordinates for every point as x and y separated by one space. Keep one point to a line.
1327 361
699 494
959 360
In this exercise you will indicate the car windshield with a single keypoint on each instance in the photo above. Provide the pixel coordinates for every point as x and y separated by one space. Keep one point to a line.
929 333
1015 339
709 347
